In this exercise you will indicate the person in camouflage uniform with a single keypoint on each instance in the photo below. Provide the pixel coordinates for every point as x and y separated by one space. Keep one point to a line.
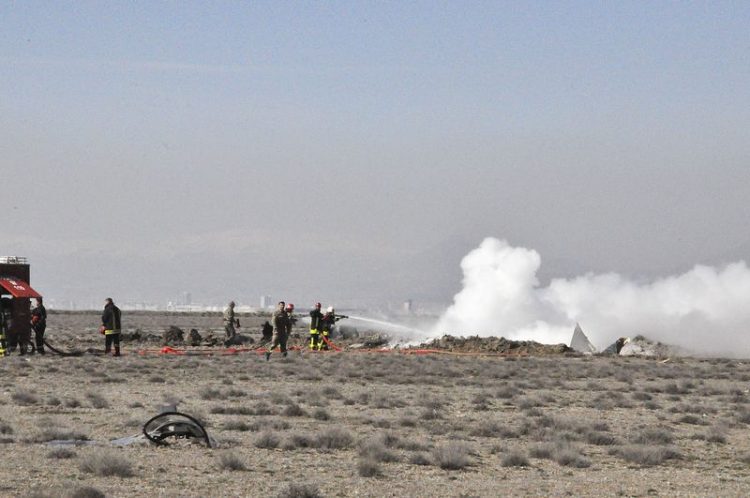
282 325
230 321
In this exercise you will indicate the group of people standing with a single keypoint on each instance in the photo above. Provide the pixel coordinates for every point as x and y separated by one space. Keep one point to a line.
280 327
22 339
321 325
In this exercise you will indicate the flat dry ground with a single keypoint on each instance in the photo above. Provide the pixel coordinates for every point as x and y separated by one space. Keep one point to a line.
367 424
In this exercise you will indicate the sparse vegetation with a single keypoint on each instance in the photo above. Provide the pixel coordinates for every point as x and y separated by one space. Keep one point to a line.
267 440
231 461
515 458
334 438
646 455
452 455
367 467
301 491
105 463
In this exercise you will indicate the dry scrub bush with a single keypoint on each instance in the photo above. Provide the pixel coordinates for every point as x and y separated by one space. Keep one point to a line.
61 453
293 410
236 425
263 408
419 459
211 394
84 492
562 452
712 435
105 463
231 461
24 398
267 440
5 428
692 420
407 422
231 410
334 438
321 414
97 400
375 449
515 459
57 434
601 439
453 455
72 403
653 435
411 445
295 441
646 456
300 491
367 467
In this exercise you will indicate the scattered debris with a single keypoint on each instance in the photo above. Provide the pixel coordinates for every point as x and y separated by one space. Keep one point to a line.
376 341
173 336
194 338
170 424
642 346
617 346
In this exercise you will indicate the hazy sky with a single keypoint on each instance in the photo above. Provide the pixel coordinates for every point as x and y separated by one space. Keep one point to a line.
351 152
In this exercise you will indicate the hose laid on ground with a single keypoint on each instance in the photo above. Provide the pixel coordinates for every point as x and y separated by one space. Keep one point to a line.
64 353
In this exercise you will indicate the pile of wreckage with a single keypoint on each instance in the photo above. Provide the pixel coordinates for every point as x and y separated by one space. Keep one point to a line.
579 344
495 345
624 346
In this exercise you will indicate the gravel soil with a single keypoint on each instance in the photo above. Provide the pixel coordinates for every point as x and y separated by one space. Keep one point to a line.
434 425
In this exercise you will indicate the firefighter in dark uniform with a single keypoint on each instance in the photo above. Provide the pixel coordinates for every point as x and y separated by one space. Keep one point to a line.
328 321
111 326
39 324
316 326
5 321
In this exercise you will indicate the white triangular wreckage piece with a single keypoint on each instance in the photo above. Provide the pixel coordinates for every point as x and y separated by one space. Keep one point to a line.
579 342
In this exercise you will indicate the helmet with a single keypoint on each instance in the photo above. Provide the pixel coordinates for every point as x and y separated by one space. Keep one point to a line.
330 309
290 307
317 305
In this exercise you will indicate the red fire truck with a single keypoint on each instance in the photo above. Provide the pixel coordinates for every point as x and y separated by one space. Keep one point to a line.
15 295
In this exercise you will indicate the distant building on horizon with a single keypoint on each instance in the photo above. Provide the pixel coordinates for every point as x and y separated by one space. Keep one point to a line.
265 302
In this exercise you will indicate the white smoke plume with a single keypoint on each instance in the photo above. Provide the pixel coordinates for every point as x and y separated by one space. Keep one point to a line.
705 310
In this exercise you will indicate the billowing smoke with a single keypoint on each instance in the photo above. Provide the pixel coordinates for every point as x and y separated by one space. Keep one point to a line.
706 310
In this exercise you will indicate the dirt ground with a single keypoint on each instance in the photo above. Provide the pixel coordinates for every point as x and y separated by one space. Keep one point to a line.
370 424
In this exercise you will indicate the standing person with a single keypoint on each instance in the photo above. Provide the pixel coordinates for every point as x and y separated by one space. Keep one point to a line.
281 328
316 326
327 323
230 322
111 326
39 324
5 322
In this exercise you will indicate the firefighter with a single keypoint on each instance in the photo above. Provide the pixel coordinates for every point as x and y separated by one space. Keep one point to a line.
5 320
39 324
281 328
230 322
290 311
111 326
316 326
328 321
